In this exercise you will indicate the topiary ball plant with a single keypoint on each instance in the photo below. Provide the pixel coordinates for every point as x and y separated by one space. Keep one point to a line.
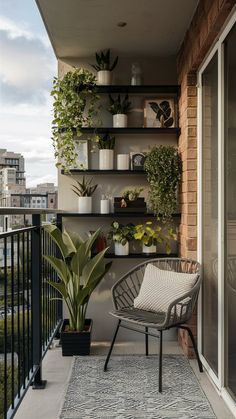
163 167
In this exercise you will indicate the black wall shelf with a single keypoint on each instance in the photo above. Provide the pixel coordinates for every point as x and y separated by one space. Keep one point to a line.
131 130
113 215
141 256
105 172
162 89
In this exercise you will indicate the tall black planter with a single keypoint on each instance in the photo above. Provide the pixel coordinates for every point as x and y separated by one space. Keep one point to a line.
76 343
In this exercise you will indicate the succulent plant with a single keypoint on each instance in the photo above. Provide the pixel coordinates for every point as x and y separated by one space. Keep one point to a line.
132 194
119 106
103 61
84 188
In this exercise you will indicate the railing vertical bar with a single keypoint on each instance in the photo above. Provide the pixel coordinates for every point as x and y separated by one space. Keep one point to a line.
50 293
23 307
31 314
28 296
5 329
47 287
18 315
12 325
43 289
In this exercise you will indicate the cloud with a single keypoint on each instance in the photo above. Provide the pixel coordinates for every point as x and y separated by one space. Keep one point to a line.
27 65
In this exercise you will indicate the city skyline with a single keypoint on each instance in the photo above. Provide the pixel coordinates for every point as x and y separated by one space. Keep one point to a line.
28 66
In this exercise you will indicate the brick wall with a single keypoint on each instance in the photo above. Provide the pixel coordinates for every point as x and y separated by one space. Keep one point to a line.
206 25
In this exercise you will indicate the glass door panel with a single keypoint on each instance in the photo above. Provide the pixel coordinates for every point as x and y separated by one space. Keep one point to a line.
210 213
230 210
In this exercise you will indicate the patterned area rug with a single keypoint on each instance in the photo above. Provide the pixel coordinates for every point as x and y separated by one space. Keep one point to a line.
129 389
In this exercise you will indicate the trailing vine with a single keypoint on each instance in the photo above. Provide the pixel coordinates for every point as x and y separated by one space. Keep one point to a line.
163 167
75 106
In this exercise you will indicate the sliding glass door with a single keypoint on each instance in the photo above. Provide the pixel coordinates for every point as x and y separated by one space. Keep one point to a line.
230 209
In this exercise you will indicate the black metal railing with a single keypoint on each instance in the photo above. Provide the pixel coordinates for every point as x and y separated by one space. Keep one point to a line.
30 313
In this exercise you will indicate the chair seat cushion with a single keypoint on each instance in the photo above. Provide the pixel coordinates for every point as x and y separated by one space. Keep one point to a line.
160 288
142 317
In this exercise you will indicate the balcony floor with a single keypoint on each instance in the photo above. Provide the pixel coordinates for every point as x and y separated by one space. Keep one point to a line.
41 404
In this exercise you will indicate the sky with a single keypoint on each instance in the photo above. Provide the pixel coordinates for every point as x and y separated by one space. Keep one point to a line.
27 68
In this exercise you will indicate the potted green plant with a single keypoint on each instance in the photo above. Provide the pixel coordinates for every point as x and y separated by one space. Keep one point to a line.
75 106
119 109
79 273
84 190
121 235
103 67
151 234
163 167
106 144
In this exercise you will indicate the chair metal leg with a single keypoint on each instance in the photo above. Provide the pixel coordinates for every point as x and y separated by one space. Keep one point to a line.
194 346
160 363
146 341
112 344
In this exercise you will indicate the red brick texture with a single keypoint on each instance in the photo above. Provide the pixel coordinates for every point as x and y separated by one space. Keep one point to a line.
206 25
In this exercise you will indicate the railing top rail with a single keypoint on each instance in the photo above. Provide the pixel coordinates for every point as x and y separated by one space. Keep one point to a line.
28 211
17 231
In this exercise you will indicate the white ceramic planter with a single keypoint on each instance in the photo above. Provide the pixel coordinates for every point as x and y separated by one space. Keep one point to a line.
120 120
104 77
121 250
122 161
85 204
149 249
106 159
104 206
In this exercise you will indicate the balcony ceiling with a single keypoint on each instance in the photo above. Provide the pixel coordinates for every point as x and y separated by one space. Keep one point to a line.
78 28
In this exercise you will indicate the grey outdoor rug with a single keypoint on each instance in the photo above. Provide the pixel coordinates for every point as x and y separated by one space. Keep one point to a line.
129 389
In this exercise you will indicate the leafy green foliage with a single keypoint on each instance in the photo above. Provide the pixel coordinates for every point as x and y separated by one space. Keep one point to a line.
84 188
163 113
78 271
103 61
132 194
163 167
152 234
106 142
75 105
121 233
119 106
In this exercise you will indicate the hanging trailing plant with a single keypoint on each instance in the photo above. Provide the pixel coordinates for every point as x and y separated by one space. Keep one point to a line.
163 167
75 106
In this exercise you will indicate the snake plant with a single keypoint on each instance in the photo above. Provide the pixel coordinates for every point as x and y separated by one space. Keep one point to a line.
78 271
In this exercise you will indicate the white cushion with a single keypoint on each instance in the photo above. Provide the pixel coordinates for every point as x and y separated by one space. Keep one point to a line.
160 288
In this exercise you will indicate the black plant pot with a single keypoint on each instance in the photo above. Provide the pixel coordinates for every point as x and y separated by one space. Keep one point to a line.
76 343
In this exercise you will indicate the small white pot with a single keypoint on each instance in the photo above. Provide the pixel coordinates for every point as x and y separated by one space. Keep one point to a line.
122 161
149 249
120 120
121 250
85 204
106 159
104 77
104 206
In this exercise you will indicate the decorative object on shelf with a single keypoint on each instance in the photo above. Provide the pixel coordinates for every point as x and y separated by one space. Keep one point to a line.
160 113
81 149
121 235
72 94
101 243
123 161
119 109
136 75
163 167
72 270
106 144
105 205
151 235
84 190
104 68
130 202
137 160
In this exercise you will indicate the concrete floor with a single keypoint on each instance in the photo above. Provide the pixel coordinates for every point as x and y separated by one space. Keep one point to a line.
46 404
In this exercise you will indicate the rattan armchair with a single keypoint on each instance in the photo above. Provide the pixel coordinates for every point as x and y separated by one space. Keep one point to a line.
178 313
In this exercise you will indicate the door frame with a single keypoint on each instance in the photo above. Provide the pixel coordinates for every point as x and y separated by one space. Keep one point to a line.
218 49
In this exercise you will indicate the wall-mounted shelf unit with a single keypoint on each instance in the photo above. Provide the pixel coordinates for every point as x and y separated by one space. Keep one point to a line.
132 130
161 89
113 215
141 256
106 172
